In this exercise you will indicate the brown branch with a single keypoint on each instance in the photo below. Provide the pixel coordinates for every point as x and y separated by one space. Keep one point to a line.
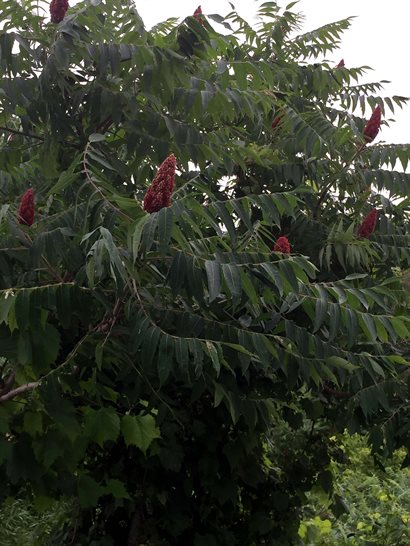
336 393
31 386
22 133
50 268
109 320
19 390
7 394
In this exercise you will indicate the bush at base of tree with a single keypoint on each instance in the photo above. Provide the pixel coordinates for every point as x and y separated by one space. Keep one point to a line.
23 524
376 502
192 302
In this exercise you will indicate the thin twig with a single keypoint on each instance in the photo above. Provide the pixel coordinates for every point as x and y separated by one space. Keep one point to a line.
336 393
51 269
115 314
333 180
55 273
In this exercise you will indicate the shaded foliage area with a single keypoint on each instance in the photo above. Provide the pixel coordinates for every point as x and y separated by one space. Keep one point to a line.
372 507
148 361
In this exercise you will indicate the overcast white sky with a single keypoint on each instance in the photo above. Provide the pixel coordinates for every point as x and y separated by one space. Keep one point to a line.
379 37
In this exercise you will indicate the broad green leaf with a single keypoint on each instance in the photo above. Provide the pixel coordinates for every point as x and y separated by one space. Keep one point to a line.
213 353
6 301
320 313
89 491
213 272
136 238
117 489
139 431
102 425
165 222
96 137
232 278
150 346
339 362
33 423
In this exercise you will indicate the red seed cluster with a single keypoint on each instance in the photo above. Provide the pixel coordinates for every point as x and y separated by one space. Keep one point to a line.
368 225
276 121
26 208
159 193
341 64
282 245
198 15
58 9
373 125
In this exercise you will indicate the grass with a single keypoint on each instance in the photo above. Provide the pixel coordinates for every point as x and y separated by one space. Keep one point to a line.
23 525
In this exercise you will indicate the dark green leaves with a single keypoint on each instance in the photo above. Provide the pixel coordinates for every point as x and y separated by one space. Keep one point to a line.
168 366
232 278
165 222
102 425
89 491
139 431
213 272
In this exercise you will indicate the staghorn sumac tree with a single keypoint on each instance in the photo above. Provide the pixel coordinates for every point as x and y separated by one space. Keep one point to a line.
179 369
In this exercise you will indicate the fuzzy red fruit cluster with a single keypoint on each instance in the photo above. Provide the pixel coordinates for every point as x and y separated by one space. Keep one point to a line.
58 9
276 121
282 245
26 208
368 225
198 15
341 64
373 125
159 193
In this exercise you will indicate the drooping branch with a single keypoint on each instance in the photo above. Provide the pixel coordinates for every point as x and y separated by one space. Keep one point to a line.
34 384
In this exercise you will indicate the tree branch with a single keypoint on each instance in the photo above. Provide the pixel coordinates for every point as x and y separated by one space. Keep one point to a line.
19 390
32 135
22 133
33 385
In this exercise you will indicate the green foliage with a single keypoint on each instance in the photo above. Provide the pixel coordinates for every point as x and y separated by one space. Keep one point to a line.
375 502
146 360
24 524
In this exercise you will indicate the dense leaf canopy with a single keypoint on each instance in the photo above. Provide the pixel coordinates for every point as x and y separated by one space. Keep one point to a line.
169 369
